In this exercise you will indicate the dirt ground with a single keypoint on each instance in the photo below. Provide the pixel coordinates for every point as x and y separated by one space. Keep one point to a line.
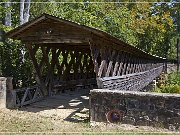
67 113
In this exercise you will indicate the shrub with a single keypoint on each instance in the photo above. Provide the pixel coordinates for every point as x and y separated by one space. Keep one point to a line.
172 84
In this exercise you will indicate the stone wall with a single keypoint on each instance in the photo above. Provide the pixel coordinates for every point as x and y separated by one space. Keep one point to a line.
171 68
6 100
136 108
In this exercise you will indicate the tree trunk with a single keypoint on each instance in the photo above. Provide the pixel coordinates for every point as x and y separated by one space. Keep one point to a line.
24 11
7 20
21 12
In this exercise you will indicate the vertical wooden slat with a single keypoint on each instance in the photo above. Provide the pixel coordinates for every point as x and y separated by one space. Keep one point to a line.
110 65
95 53
116 65
121 64
132 65
24 96
129 61
103 65
125 64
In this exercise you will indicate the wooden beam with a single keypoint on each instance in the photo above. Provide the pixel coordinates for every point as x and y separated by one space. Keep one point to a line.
110 65
36 66
122 60
103 66
116 65
95 53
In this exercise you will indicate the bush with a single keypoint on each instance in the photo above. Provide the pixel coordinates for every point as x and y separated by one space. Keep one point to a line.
172 84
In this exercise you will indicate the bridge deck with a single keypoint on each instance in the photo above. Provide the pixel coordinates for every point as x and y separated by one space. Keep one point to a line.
71 106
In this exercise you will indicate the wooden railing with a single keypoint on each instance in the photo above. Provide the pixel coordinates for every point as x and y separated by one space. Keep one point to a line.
131 82
26 96
124 67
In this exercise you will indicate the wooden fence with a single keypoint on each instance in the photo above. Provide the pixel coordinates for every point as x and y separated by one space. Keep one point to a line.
26 96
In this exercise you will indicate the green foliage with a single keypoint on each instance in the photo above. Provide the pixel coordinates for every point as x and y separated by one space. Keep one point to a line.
174 78
172 85
105 16
151 27
15 62
171 88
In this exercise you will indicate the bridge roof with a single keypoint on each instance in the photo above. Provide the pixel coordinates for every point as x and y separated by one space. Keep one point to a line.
54 31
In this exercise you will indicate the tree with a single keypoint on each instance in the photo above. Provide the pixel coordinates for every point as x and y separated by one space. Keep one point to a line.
14 58
149 26
24 11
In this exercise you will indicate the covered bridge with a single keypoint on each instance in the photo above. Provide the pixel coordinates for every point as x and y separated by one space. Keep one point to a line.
67 55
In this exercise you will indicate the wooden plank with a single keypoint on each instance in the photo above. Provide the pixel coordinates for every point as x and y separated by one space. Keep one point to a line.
24 96
110 65
116 65
134 81
121 63
32 101
48 80
95 53
103 66
128 64
132 65
36 66
55 40
125 64
139 65
37 91
135 65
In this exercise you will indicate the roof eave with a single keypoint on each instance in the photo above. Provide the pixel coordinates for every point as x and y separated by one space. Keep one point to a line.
12 33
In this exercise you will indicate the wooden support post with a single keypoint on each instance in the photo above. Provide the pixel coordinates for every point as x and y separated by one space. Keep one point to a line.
129 64
116 65
95 53
110 66
125 64
49 77
134 65
103 66
122 60
36 66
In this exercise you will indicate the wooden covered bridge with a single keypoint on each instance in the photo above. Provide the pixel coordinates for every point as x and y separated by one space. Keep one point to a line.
67 55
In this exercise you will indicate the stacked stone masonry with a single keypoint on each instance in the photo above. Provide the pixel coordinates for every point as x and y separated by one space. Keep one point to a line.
138 108
6 87
2 92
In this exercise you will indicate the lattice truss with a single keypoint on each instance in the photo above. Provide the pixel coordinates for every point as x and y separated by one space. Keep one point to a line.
135 72
58 65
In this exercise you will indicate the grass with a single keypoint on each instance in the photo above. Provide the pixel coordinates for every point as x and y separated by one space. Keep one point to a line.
22 121
19 122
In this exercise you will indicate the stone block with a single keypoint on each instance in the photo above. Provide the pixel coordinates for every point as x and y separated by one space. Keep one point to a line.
142 108
6 93
3 90
128 120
